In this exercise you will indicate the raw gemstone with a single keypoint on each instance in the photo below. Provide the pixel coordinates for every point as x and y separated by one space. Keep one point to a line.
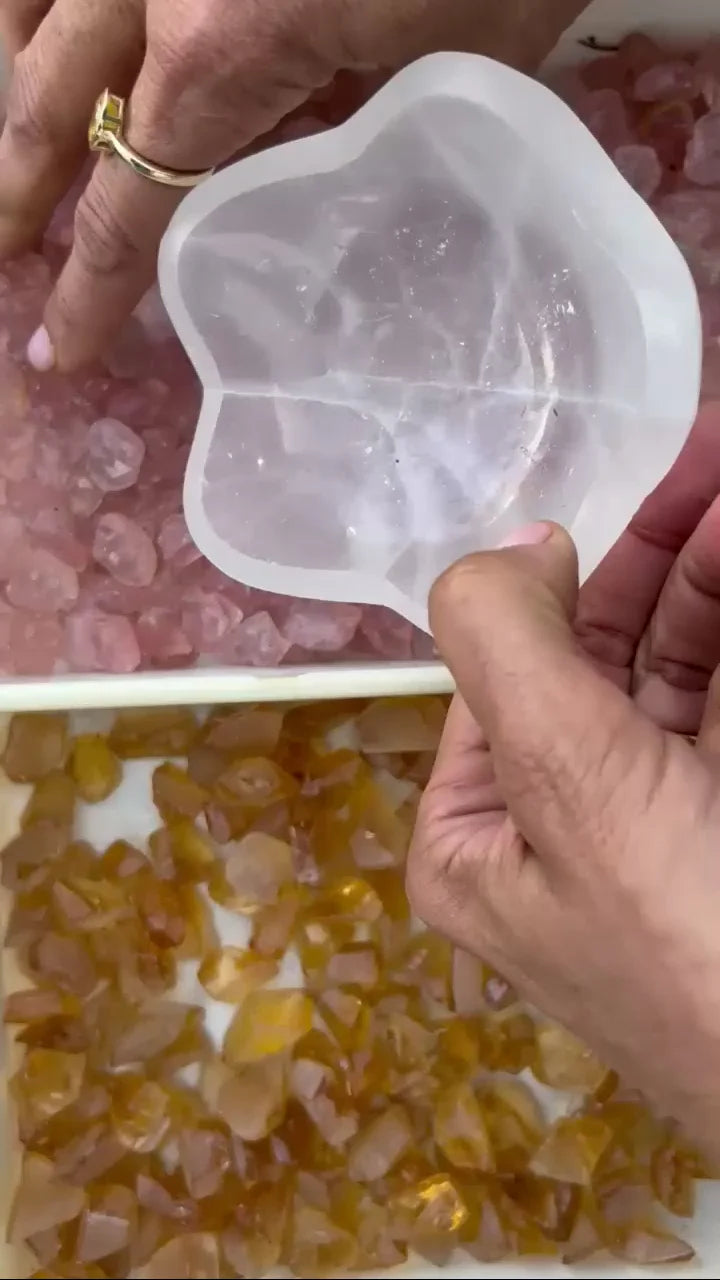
41 583
114 455
667 81
34 642
96 641
268 1022
640 167
162 639
605 115
702 162
380 1145
321 626
209 620
37 744
42 1200
707 72
175 542
11 540
460 1130
97 772
257 642
123 547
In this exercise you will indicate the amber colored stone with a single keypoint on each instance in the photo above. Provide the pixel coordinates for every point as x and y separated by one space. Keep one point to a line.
250 1099
64 961
175 793
253 1243
25 859
392 725
425 962
317 941
572 1150
46 1083
256 783
94 767
161 910
672 1181
205 763
514 1122
371 813
249 731
144 733
37 1004
507 1041
563 1062
151 1032
42 1201
356 965
194 851
380 1145
230 973
140 1113
122 860
107 1224
205 1158
52 800
460 1130
273 927
348 898
318 1246
267 1022
36 745
652 1247
347 1017
188 1257
255 871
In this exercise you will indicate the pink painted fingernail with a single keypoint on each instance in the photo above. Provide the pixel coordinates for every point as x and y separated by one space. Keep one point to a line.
40 350
530 535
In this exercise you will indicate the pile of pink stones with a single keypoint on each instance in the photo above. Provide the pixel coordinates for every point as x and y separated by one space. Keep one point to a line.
97 569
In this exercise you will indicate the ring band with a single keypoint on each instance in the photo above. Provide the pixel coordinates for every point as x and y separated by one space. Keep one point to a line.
106 134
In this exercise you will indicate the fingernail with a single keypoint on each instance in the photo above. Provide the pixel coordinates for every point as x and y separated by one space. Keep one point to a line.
40 350
529 536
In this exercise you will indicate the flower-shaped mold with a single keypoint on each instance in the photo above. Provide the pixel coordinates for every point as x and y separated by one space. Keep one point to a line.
415 332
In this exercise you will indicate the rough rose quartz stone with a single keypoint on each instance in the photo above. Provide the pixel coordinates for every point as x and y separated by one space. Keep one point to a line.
606 117
640 167
321 626
209 620
162 639
35 642
702 162
42 583
667 81
97 641
257 642
123 548
175 542
387 633
114 455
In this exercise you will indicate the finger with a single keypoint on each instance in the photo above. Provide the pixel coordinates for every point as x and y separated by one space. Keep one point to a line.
617 601
708 738
19 20
200 96
80 47
681 647
463 784
565 743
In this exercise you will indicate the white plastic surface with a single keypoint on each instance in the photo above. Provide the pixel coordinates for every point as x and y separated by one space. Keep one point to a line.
446 318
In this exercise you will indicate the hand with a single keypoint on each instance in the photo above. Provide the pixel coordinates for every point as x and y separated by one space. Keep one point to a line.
570 840
205 77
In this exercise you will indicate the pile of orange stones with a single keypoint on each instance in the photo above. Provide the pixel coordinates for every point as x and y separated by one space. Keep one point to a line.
371 1092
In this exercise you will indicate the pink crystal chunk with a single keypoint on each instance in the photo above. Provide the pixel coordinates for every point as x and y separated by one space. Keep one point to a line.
640 167
11 538
702 162
114 455
175 542
257 642
667 81
97 641
35 643
321 626
123 548
162 639
42 583
707 71
210 620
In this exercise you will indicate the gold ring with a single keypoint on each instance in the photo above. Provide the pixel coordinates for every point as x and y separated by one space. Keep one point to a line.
106 134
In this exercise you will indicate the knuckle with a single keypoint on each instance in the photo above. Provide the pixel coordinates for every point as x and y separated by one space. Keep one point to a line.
101 243
29 117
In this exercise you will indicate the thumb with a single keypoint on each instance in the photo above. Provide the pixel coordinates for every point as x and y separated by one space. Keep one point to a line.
569 750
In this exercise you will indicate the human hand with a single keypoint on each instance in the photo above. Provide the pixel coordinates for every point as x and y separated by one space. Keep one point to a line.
568 839
204 78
